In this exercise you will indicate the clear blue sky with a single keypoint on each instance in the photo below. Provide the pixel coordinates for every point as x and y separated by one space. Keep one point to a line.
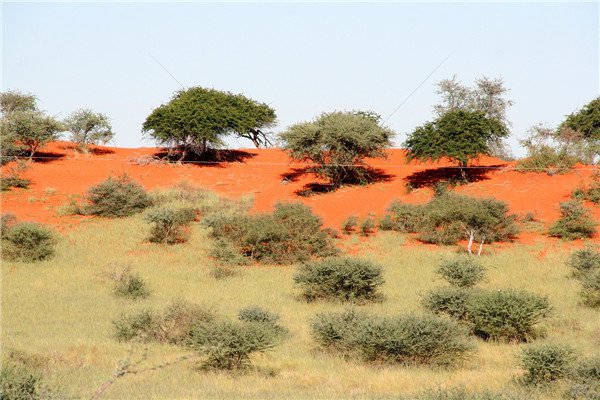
302 58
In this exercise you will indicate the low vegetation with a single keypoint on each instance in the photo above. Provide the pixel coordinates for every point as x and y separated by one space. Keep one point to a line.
462 272
26 241
345 279
116 198
546 362
575 222
169 225
131 286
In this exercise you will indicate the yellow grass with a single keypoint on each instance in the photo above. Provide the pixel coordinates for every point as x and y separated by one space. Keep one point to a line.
63 308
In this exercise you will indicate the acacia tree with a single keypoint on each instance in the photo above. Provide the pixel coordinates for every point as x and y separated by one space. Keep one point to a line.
33 129
585 121
88 127
338 144
197 119
10 102
459 135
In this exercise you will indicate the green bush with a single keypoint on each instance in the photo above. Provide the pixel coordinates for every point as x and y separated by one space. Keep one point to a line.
575 222
290 234
168 224
463 394
225 252
590 291
131 286
173 325
229 344
546 362
547 159
346 279
402 217
116 197
13 182
463 272
587 370
367 226
21 382
509 315
350 224
27 242
408 339
584 261
223 272
260 315
451 301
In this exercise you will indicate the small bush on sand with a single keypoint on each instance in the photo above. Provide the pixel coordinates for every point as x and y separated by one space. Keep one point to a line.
168 224
13 182
463 272
290 234
546 362
590 291
131 286
349 225
27 242
346 279
575 222
451 301
228 345
403 217
508 315
584 261
367 227
407 339
116 197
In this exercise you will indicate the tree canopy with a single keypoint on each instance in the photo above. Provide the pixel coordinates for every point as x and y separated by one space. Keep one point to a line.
338 142
88 127
13 100
197 119
585 121
459 135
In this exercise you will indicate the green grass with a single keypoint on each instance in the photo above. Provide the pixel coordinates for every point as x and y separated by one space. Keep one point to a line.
63 308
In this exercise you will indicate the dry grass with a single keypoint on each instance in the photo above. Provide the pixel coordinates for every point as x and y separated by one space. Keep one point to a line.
62 308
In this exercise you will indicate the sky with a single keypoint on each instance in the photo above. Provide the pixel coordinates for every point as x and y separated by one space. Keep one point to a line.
301 58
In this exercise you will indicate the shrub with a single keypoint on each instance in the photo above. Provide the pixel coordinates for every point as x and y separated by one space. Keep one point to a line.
506 314
591 289
14 182
291 234
462 272
173 325
223 272
346 279
7 220
168 224
409 339
21 382
386 223
587 370
451 301
260 315
225 251
546 362
575 222
131 286
406 218
584 261
27 242
229 344
463 394
586 380
548 159
116 197
350 224
367 226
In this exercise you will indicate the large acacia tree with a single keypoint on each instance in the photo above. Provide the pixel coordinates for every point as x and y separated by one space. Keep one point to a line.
197 119
459 135
338 144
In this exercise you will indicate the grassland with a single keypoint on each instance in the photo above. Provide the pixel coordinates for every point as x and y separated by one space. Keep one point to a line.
63 308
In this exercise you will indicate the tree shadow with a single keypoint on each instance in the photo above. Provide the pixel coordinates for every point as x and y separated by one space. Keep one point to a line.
366 176
46 157
210 158
430 177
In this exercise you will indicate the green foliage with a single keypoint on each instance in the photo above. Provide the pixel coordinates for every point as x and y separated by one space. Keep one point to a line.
116 198
173 325
586 121
591 192
408 339
88 127
590 291
508 315
462 272
225 252
546 362
367 226
545 158
32 129
27 242
131 286
346 279
463 394
338 143
290 234
457 134
13 182
452 301
168 224
197 119
575 222
21 382
350 224
402 217
584 261
14 101
451 217
228 345
255 314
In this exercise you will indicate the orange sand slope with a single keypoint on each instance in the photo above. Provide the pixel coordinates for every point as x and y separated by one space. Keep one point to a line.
270 177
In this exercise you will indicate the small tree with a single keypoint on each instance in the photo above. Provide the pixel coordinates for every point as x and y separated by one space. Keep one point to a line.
459 135
87 128
338 144
13 100
33 129
197 119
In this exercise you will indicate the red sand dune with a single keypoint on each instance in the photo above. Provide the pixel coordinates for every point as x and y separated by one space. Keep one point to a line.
262 172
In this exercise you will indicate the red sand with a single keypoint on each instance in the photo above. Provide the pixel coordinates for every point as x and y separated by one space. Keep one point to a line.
261 174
